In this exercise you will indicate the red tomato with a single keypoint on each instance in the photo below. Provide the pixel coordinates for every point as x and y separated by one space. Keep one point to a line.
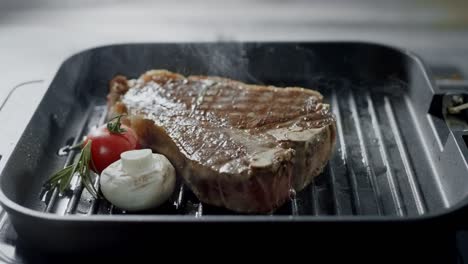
106 147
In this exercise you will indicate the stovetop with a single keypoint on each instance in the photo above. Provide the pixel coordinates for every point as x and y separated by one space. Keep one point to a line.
36 36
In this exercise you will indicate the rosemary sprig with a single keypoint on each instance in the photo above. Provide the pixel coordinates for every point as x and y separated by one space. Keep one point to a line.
115 127
62 178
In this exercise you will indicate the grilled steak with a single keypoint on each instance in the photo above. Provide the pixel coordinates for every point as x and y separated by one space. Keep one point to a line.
236 145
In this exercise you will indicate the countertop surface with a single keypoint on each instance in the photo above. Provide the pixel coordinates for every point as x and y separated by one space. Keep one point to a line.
37 36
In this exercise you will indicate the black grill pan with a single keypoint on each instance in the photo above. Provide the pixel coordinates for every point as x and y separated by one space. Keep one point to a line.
398 161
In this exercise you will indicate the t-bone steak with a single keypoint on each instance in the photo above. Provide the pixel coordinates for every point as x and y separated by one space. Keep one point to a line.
238 146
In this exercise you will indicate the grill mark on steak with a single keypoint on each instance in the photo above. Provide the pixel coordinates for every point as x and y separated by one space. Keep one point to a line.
235 145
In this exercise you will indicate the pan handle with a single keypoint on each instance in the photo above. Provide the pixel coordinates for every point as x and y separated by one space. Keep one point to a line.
3 103
12 90
454 87
458 90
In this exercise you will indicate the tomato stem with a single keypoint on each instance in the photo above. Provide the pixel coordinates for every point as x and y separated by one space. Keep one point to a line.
115 127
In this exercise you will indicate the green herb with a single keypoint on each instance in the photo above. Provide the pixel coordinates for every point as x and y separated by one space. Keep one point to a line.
114 127
62 178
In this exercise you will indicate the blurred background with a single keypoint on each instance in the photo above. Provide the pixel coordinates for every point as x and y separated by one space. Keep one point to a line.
44 32
37 35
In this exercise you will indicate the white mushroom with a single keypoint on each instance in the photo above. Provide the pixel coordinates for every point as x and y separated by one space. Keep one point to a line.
139 180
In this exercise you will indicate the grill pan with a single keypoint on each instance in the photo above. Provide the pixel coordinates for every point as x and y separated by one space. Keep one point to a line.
398 161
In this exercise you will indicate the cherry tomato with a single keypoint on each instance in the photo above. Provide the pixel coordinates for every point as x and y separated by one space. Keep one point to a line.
106 147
